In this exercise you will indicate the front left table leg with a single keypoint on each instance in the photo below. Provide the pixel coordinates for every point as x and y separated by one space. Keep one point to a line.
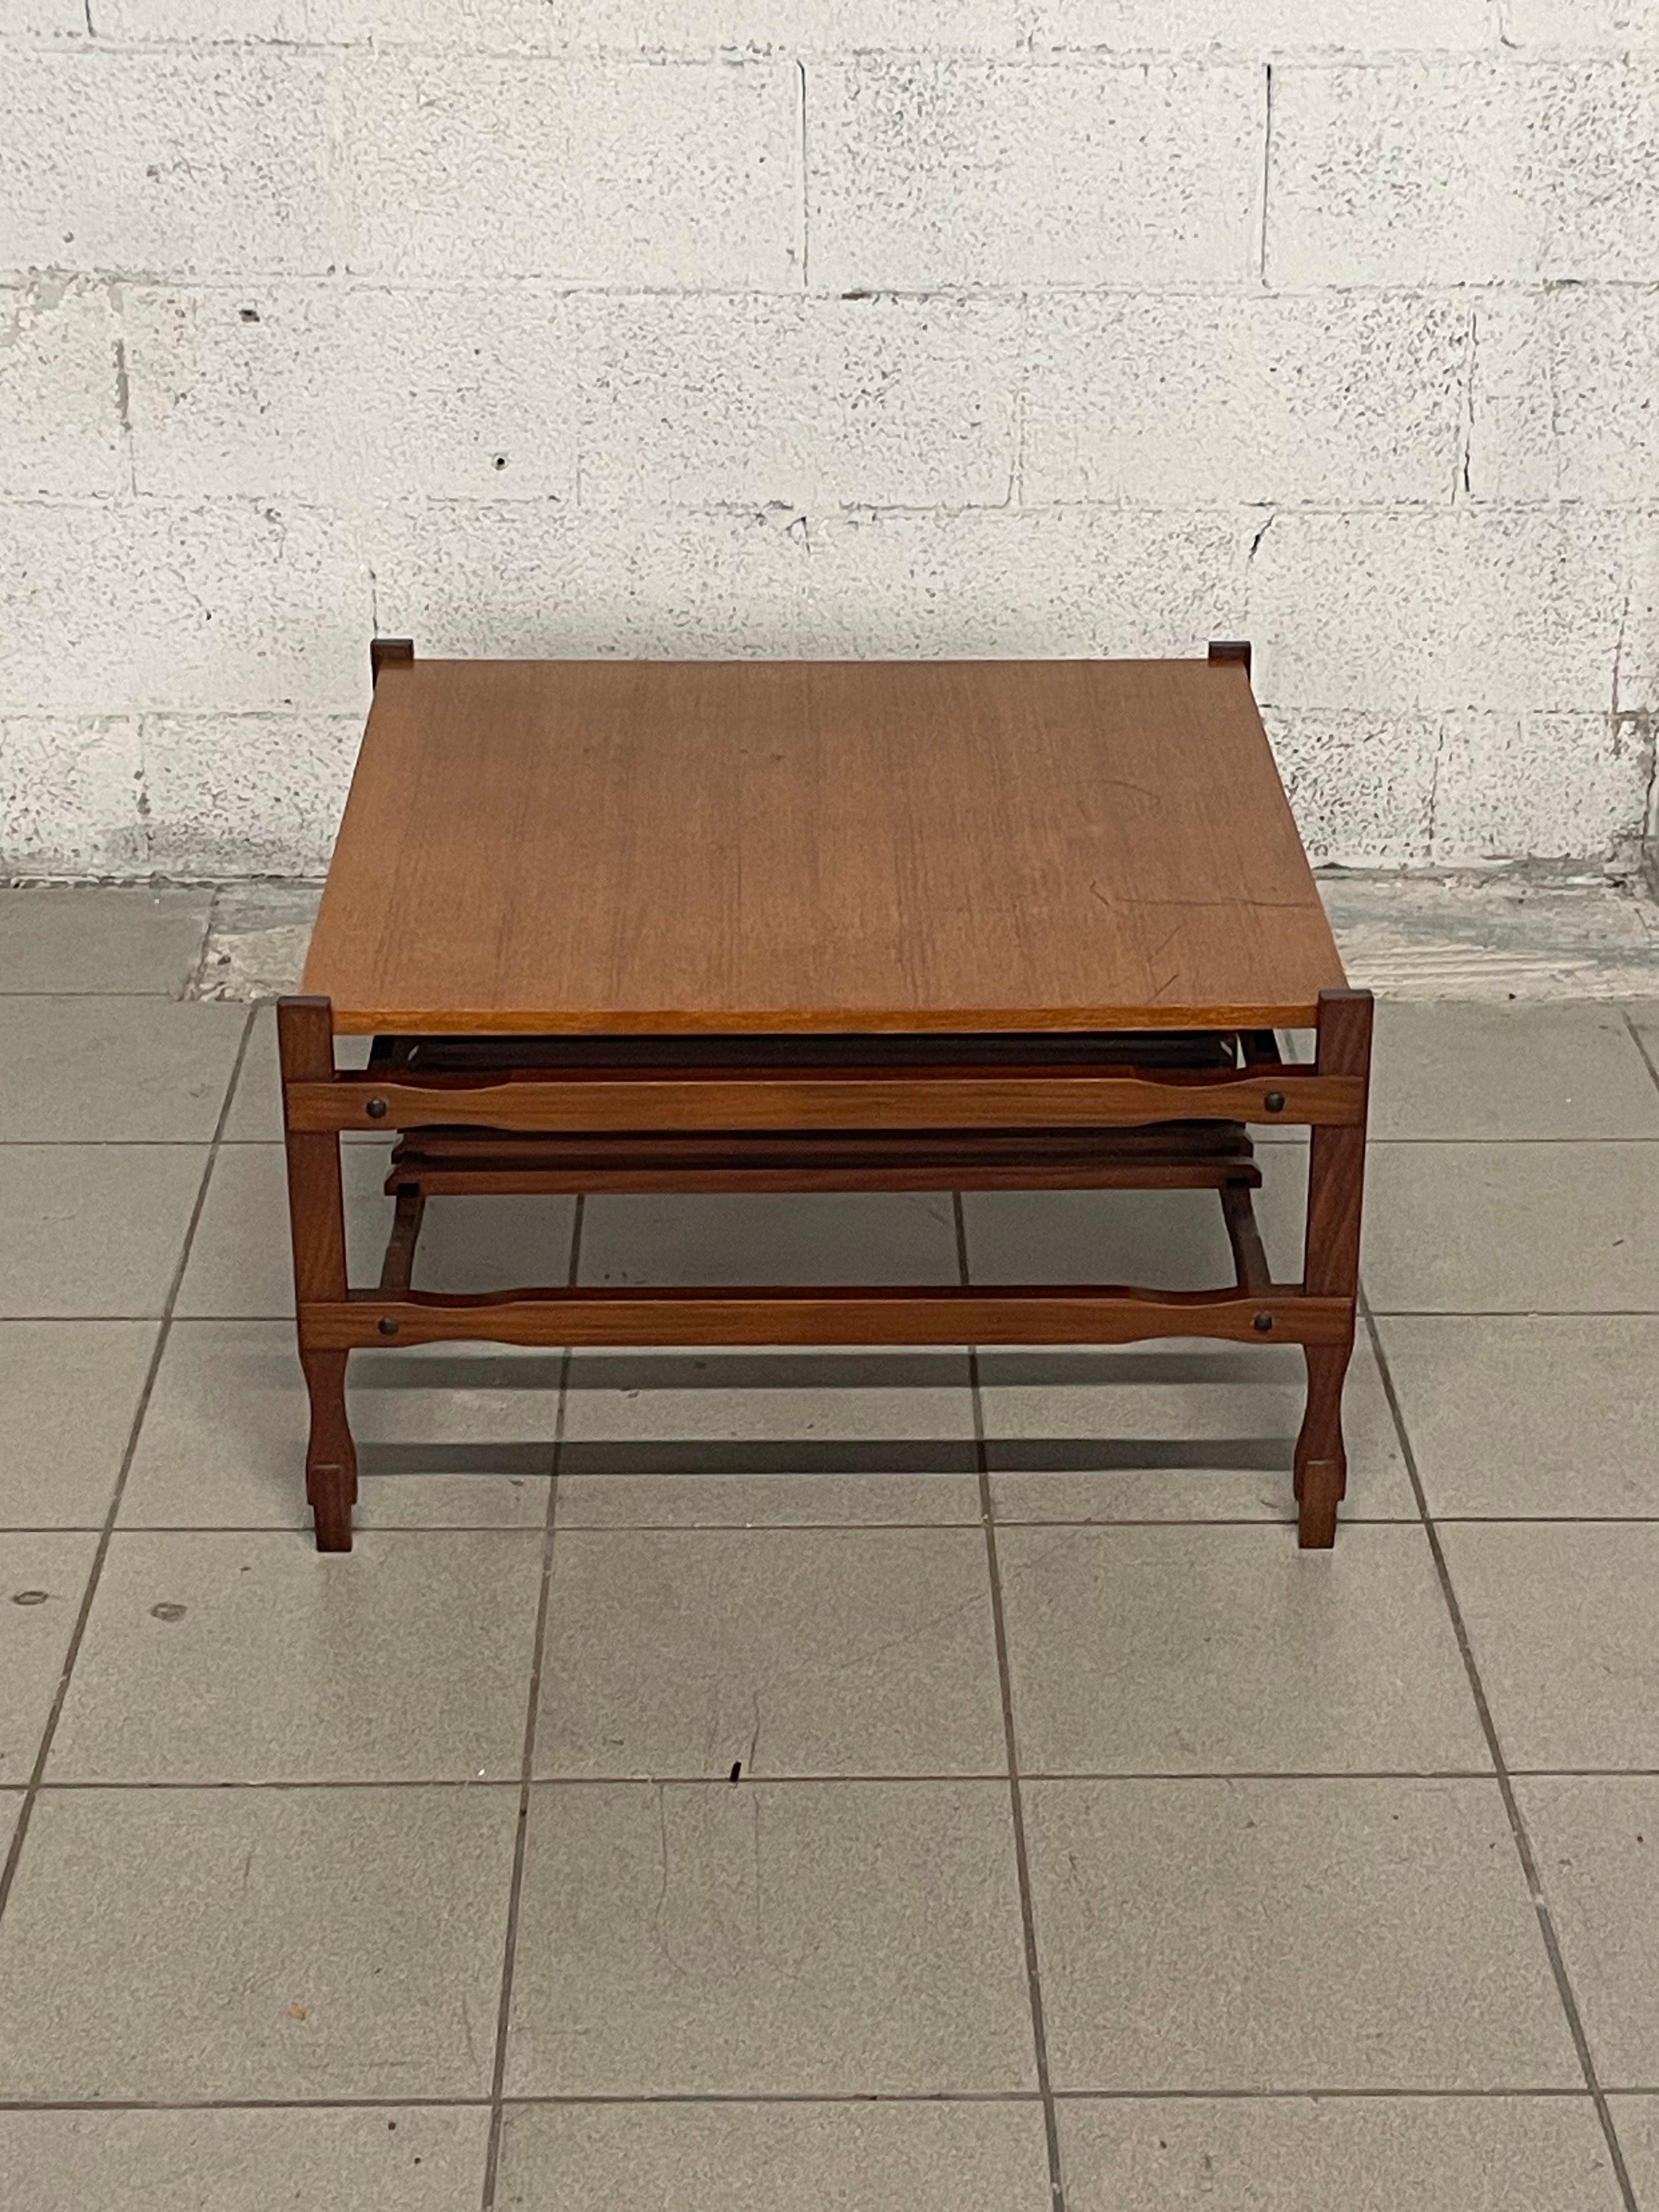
304 1038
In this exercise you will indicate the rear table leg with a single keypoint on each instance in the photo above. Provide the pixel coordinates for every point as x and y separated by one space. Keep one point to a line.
1322 1464
331 1455
1336 1176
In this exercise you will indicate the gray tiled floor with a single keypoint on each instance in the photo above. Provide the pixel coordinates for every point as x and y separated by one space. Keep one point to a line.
1081 1828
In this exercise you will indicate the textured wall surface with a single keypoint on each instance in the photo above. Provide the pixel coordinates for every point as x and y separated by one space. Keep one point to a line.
828 326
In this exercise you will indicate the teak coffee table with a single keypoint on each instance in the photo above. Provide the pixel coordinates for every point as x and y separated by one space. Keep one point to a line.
821 925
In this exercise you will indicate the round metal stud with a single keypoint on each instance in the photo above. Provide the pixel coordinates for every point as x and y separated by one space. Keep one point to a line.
387 1326
376 1110
1275 1101
1263 1322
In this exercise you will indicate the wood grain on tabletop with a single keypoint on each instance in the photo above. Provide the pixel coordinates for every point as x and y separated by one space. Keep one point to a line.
611 846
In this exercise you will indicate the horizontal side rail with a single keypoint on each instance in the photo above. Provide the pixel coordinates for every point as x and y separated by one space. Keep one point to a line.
924 1099
1039 1314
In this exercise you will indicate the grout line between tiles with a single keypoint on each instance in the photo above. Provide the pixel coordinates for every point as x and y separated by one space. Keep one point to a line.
857 2100
1505 1783
532 1710
1641 1044
1016 1804
833 1779
193 990
9 1873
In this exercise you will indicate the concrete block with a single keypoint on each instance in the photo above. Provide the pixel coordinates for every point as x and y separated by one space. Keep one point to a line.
1427 609
1464 172
807 403
297 21
1261 27
62 382
45 18
1566 397
923 174
1359 784
638 27
246 795
532 580
1064 581
197 164
1187 401
133 606
335 394
620 172
1583 26
69 796
1549 787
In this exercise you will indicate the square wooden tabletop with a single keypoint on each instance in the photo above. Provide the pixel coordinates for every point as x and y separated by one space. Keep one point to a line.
651 846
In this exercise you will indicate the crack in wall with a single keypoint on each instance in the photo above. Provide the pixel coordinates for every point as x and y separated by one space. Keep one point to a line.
1267 172
1465 427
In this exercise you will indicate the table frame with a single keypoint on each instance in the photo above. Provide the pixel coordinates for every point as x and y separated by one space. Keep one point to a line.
502 1116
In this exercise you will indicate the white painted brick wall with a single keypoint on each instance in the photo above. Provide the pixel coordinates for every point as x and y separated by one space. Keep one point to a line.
928 173
60 375
829 327
1347 400
311 391
1464 172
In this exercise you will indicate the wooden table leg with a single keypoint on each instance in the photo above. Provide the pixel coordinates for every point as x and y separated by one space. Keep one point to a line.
305 1040
1336 1177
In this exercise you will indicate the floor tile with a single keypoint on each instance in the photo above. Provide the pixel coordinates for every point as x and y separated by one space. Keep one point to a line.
1166 1239
164 1944
1175 1430
241 1265
1336 1935
95 939
256 1109
418 2158
815 1939
1637 2121
810 1237
1216 1650
1363 2154
774 2158
712 1438
69 1390
93 1230
448 1436
792 1651
1560 1617
1513 1228
1596 1839
1522 1413
251 1657
1449 1069
43 1579
114 1071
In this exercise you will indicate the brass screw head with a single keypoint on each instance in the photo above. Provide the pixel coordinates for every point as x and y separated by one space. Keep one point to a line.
1263 1322
387 1326
1275 1101
376 1110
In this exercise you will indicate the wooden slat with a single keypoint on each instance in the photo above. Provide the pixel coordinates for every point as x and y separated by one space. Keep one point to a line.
932 1098
484 1180
397 1268
1249 1256
1042 1314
